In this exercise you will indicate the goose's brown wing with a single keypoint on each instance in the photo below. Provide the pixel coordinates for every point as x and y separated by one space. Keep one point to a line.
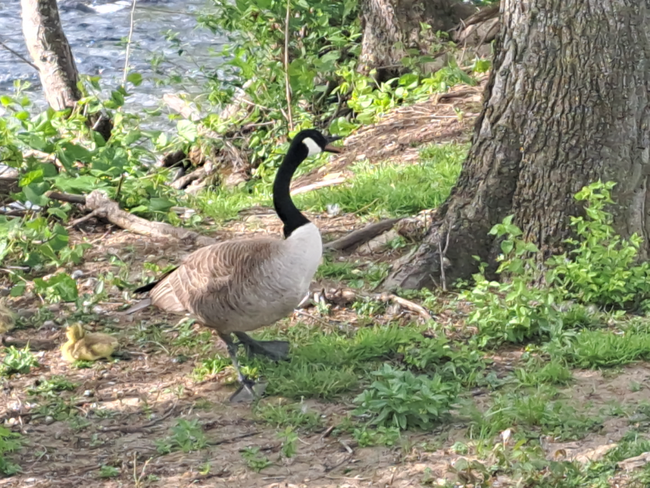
210 271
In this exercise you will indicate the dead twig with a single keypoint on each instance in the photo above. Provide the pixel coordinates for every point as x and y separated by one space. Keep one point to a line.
19 56
347 448
128 43
85 218
286 65
34 344
131 429
228 440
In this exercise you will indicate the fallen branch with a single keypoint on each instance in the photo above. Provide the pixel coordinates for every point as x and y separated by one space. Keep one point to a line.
204 171
407 304
66 197
361 236
102 206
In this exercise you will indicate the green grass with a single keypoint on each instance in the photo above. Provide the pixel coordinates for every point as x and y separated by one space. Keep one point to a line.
390 189
386 189
357 274
294 416
606 348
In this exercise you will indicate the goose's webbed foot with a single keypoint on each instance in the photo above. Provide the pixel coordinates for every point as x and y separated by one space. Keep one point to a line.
248 391
276 350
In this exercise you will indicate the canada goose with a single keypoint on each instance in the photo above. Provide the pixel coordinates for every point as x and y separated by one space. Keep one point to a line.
241 285
84 346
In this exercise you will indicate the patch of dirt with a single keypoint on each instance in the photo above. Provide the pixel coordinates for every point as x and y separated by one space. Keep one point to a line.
600 392
444 118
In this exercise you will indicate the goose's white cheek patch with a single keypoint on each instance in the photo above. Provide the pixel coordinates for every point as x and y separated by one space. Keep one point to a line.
311 146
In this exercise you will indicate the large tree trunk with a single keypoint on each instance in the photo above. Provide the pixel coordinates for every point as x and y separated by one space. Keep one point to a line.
567 104
51 52
391 27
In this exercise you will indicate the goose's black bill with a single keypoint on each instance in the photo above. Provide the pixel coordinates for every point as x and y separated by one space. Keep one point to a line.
333 149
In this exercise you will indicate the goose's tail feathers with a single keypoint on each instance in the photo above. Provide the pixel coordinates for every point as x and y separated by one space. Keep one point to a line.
137 307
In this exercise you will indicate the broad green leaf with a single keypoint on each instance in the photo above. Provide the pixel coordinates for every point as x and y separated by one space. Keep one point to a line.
187 130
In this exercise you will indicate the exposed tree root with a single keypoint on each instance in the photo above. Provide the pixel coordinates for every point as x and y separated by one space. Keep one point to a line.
361 236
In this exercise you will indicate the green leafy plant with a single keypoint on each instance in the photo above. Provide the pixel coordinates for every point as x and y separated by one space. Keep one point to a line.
9 442
50 387
108 472
17 361
186 436
379 436
513 310
209 367
599 269
254 460
602 268
289 440
401 399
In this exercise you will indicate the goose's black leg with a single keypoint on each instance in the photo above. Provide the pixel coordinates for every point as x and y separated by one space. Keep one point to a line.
273 349
245 391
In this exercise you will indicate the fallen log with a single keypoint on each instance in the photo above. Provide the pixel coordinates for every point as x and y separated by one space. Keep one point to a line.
102 206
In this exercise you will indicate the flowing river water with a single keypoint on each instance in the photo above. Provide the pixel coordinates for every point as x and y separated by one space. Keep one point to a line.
97 32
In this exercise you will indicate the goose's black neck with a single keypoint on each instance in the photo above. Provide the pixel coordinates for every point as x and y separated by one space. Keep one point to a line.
284 206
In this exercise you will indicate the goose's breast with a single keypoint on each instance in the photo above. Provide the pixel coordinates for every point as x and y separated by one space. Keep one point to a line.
278 286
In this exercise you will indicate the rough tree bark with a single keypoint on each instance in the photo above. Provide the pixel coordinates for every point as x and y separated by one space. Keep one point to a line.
390 27
567 103
51 52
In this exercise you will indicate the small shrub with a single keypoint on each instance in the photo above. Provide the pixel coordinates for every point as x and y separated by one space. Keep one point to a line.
401 399
515 310
602 267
